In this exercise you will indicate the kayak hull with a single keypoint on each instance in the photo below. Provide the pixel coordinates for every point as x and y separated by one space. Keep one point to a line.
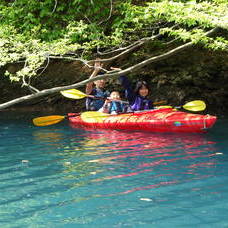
158 120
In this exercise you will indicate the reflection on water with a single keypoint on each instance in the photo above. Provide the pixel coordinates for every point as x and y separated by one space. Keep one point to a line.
160 159
44 135
102 178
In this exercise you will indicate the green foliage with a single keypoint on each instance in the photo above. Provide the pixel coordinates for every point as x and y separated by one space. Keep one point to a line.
31 31
37 18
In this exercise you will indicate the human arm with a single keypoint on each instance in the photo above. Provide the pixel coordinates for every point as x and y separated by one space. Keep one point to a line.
106 107
129 92
97 67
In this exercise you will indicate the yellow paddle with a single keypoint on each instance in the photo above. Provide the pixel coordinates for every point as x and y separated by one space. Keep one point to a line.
49 120
98 117
77 94
194 106
93 116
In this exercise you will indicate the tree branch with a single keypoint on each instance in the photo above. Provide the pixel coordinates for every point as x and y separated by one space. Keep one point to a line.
110 14
31 88
105 76
24 83
56 2
130 47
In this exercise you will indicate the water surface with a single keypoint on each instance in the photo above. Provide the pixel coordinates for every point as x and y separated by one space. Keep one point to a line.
60 176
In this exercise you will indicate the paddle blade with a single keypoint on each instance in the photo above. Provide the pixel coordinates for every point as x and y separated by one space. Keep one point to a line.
47 120
164 106
94 117
73 94
195 106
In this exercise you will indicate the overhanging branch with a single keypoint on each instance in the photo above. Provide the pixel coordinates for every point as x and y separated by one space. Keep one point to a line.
106 75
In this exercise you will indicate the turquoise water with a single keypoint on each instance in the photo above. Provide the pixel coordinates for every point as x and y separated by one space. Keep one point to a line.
60 176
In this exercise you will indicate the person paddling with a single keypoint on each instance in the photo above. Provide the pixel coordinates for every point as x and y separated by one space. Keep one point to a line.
138 97
96 89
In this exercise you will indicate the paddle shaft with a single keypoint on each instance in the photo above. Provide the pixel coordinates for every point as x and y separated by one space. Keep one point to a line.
110 99
77 94
124 102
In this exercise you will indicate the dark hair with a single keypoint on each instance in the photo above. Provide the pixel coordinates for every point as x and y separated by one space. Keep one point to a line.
139 85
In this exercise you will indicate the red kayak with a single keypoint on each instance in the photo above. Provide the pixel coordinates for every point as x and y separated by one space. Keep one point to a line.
158 120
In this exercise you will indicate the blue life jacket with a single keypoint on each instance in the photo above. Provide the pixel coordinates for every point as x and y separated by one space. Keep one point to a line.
116 107
95 104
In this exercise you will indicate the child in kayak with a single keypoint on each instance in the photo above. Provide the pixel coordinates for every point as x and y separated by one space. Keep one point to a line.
137 98
97 89
113 104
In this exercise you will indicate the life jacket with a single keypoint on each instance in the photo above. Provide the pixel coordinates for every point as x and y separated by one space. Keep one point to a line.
136 101
141 103
95 104
116 107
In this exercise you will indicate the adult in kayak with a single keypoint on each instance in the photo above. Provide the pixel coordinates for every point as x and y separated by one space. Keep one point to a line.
138 97
97 89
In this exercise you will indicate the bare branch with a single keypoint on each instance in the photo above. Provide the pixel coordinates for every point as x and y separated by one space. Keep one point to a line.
85 62
31 88
45 67
110 14
117 50
171 42
107 75
54 6
87 19
145 39
131 46
137 45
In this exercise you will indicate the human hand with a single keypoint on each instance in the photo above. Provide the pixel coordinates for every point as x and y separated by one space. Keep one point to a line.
107 101
98 65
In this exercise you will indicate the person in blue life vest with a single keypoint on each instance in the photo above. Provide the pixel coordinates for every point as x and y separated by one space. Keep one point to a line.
96 89
138 97
113 104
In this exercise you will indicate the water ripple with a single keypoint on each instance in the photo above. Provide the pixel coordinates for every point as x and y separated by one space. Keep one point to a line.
59 176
